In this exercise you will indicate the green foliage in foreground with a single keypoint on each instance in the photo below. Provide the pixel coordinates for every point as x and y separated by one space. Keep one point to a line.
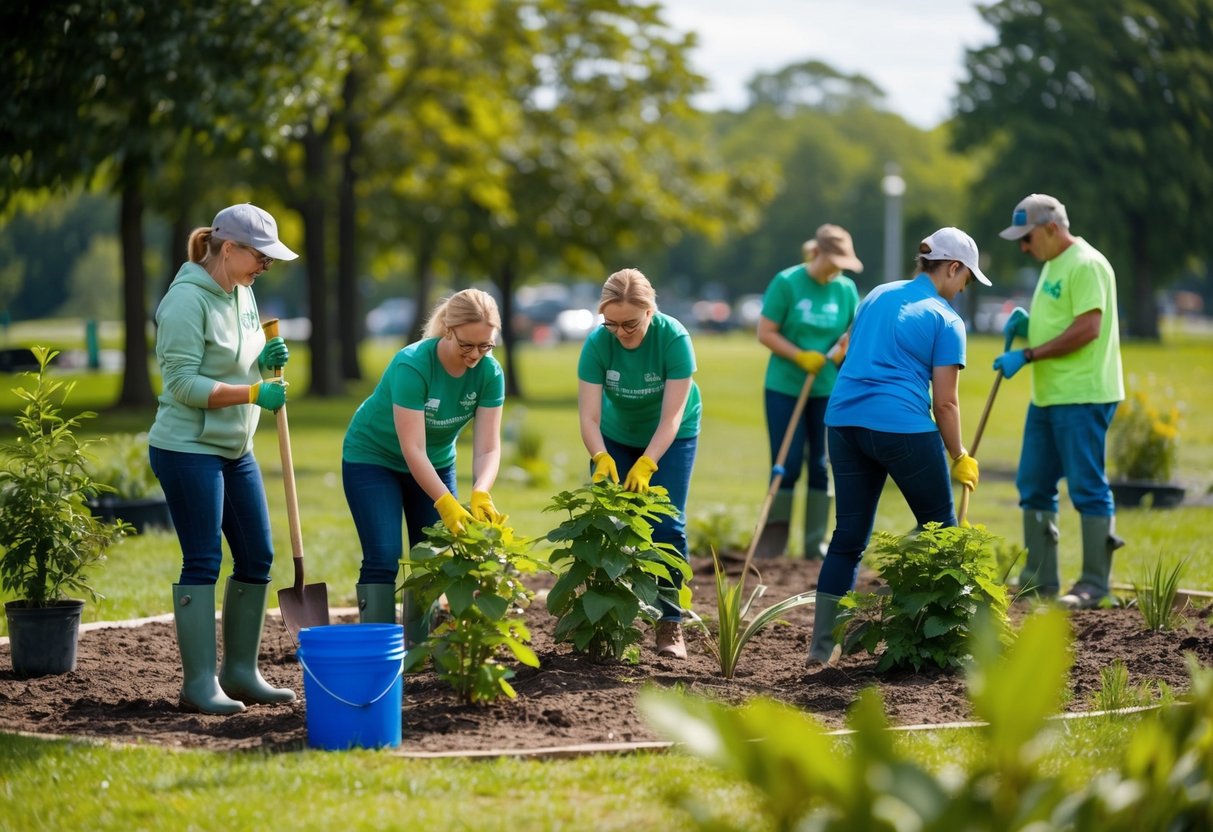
1163 780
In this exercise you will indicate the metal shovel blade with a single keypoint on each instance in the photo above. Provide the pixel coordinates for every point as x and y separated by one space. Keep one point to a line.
304 606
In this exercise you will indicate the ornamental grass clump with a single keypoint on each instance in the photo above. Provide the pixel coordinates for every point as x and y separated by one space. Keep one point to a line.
938 581
479 571
1156 592
611 570
1143 441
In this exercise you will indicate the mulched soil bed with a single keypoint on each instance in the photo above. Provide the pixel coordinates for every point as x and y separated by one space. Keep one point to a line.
126 683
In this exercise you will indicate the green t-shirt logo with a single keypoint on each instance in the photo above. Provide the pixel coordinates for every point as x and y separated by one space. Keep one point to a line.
1052 289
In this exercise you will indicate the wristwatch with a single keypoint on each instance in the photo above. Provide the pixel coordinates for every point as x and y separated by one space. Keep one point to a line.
1029 354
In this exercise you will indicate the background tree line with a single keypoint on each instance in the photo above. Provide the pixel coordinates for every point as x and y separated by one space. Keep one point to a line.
428 145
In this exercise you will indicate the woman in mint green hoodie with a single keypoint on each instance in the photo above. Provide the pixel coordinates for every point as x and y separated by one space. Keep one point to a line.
216 366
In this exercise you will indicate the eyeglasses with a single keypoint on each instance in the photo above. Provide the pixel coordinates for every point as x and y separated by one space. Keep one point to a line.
628 327
467 348
1026 239
265 260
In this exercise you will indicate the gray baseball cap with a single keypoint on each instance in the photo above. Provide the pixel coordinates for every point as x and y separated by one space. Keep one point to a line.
1034 210
953 244
253 227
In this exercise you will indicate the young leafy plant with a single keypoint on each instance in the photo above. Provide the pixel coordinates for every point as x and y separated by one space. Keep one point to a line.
1156 593
479 571
611 570
937 580
732 631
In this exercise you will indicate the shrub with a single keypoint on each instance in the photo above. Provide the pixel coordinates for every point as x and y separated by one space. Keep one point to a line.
478 570
714 529
611 567
1143 442
122 463
937 580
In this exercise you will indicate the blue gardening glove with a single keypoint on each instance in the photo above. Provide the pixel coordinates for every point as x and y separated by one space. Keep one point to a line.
604 468
1015 327
1010 362
274 355
268 394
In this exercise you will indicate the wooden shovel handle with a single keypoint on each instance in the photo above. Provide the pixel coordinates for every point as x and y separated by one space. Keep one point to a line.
270 328
981 428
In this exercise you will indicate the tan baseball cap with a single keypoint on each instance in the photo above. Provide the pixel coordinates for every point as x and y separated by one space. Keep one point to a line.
1034 210
835 242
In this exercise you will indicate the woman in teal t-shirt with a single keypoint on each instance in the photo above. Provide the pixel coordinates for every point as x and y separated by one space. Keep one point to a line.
639 406
806 310
398 459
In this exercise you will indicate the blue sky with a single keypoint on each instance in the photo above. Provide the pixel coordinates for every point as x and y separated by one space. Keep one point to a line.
913 50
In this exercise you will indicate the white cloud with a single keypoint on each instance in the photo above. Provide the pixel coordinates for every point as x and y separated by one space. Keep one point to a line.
912 50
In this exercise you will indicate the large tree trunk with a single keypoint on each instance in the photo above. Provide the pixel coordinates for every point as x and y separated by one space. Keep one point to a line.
136 380
1143 311
505 284
349 308
313 208
426 251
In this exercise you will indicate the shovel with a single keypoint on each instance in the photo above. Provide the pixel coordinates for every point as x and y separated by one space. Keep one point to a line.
780 459
301 605
981 427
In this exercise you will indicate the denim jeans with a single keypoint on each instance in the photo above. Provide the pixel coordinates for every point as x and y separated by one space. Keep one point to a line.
779 408
1066 440
212 497
862 460
379 498
674 474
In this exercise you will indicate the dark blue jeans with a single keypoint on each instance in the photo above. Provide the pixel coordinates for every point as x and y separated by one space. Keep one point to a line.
674 474
1066 440
810 434
862 460
210 498
379 498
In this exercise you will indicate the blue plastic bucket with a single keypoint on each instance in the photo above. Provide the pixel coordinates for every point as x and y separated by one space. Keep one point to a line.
352 682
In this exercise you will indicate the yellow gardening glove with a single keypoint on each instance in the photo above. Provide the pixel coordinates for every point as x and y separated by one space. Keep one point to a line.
484 510
810 361
604 467
638 477
964 471
839 352
454 516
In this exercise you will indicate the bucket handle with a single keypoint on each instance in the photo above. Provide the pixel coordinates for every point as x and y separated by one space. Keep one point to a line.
323 687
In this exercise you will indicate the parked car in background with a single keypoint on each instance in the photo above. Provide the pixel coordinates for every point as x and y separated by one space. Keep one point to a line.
392 317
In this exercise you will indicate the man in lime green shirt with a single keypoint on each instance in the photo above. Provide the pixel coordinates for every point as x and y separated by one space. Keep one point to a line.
1073 336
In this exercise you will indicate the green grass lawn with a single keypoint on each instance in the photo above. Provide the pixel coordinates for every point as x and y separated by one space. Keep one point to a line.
141 788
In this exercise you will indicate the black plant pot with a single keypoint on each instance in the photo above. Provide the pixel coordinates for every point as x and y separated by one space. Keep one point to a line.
43 639
144 513
1132 493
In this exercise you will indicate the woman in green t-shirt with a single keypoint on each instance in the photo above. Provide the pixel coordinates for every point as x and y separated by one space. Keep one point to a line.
398 458
806 310
638 406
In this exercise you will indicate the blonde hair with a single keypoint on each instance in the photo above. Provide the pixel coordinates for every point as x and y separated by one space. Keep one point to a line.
628 286
202 245
470 306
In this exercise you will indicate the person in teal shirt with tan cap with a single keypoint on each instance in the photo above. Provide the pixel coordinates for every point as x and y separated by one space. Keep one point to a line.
1073 335
806 312
398 458
640 411
217 368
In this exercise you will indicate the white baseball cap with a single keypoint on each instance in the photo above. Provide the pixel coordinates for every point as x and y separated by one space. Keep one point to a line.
953 244
1034 210
253 227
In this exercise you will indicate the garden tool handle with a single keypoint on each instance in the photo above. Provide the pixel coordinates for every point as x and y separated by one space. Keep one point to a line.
270 328
981 428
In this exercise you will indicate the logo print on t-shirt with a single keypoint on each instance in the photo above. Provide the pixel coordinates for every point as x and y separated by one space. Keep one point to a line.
1052 289
469 400
433 404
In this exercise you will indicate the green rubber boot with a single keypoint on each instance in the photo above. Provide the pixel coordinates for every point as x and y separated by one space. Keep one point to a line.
816 524
1040 534
773 542
376 603
416 620
1099 541
194 614
243 618
822 649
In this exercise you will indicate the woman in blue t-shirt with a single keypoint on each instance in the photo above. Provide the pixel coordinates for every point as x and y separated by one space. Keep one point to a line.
639 406
903 366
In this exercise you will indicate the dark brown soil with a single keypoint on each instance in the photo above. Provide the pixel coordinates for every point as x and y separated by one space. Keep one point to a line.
127 680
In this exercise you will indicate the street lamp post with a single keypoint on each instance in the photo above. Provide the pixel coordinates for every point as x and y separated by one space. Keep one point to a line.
893 186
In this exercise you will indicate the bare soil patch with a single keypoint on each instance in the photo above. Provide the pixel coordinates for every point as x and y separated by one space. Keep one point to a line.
127 680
